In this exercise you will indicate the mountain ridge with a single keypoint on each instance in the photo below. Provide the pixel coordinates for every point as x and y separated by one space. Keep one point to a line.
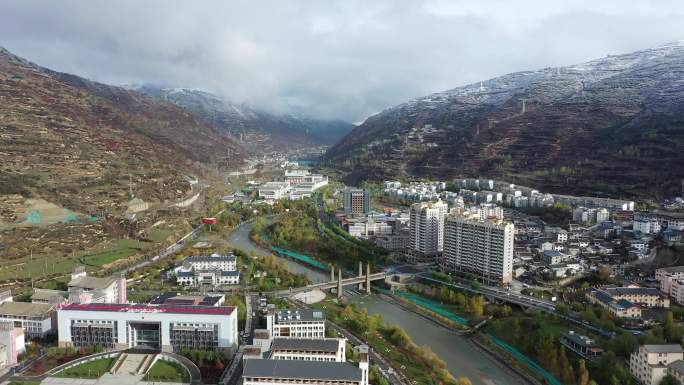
580 126
256 129
80 144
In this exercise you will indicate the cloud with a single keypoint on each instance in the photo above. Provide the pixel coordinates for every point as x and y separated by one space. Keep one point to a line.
337 59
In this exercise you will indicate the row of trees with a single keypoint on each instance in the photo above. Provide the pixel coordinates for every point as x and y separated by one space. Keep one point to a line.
361 323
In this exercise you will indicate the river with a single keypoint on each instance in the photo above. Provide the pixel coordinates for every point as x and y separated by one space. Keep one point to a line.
461 358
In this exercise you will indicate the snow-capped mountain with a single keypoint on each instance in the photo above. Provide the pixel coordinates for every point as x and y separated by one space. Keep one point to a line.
255 129
612 125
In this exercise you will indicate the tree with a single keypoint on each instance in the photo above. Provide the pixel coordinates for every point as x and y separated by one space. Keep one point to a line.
567 373
463 381
477 306
669 380
583 378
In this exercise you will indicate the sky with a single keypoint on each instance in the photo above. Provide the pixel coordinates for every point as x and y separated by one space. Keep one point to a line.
342 59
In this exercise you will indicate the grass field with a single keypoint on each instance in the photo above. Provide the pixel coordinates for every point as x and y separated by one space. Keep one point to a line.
37 266
166 371
92 369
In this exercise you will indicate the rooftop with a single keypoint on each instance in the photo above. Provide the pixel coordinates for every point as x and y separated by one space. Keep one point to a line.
141 308
175 299
672 348
305 344
300 315
297 370
27 309
211 258
677 366
91 283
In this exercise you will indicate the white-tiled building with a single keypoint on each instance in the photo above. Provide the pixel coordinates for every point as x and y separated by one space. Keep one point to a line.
162 327
650 363
481 248
295 323
427 227
308 349
667 275
211 270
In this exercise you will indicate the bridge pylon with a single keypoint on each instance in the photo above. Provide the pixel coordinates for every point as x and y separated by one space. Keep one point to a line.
360 275
368 286
339 283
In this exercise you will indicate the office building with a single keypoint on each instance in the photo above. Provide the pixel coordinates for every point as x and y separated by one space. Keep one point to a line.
208 270
294 372
301 323
649 364
86 289
308 349
426 225
158 327
35 318
357 202
481 248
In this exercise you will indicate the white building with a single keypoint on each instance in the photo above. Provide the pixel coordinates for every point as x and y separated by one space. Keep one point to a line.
34 318
649 364
301 323
12 338
427 227
162 327
209 270
87 289
308 349
272 191
646 225
667 275
482 248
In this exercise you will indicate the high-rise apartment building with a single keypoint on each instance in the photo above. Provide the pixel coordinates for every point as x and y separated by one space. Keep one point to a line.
427 228
483 248
356 202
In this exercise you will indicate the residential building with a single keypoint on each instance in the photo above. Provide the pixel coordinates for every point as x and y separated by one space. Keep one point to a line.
357 202
677 291
308 349
617 307
159 327
481 248
553 257
427 228
295 323
649 364
676 370
584 346
667 275
644 296
35 318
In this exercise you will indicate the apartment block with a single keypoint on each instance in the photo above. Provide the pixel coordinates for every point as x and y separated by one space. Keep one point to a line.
482 248
427 227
